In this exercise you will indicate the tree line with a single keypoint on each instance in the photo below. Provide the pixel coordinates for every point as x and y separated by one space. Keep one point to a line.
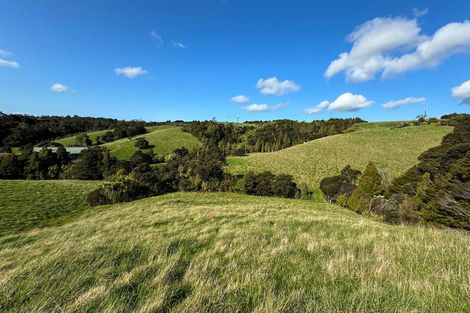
199 170
435 191
20 130
238 139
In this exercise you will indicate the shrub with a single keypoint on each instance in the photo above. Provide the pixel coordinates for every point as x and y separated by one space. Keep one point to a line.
98 197
142 143
342 200
284 186
343 184
123 189
304 193
391 212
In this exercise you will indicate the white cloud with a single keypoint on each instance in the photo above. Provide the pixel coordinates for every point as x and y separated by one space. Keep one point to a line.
59 88
272 86
462 92
388 46
349 102
240 99
130 72
398 103
178 44
6 63
346 102
264 107
5 53
318 108
157 38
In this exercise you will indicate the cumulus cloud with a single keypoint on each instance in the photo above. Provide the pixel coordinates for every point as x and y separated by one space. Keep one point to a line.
264 107
462 92
178 44
398 103
240 99
389 46
157 38
59 88
272 86
347 102
130 72
318 108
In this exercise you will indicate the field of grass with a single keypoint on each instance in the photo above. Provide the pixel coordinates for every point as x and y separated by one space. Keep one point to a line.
29 204
164 138
222 252
70 141
392 150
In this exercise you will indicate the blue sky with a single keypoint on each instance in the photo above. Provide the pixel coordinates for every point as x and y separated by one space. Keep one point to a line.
187 59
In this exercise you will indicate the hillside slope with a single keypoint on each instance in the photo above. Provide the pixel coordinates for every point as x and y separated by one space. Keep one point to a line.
70 141
392 150
224 252
26 204
164 138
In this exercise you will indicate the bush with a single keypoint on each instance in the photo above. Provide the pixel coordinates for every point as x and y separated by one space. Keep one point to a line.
342 201
304 192
142 143
98 197
123 189
343 184
268 184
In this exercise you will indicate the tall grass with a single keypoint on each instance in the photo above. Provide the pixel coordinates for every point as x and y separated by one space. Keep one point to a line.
393 150
221 252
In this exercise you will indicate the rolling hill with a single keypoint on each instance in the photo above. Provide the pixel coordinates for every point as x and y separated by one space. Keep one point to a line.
393 150
222 252
70 141
164 138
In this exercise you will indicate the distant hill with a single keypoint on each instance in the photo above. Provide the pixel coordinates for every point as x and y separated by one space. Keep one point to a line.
222 252
393 150
71 141
164 138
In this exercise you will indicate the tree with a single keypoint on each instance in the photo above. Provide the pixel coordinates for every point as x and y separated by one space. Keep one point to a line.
10 166
141 143
62 156
369 185
83 140
284 186
89 165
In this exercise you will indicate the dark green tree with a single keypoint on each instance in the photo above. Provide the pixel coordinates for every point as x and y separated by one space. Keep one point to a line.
369 185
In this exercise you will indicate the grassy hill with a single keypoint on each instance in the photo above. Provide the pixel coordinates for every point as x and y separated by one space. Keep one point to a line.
30 204
70 141
225 252
393 150
164 138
